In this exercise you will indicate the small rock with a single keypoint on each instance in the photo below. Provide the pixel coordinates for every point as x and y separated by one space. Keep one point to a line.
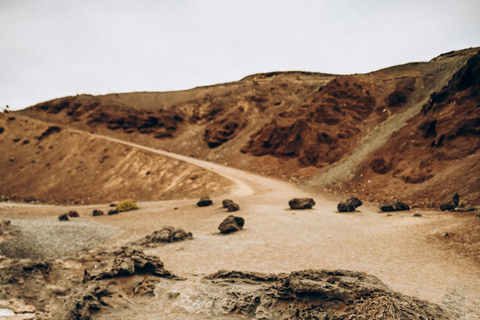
112 212
97 213
301 203
113 205
233 207
73 214
350 205
451 204
226 202
63 217
231 224
417 214
204 202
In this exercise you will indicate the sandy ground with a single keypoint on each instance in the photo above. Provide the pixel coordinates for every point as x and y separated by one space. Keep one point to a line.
394 248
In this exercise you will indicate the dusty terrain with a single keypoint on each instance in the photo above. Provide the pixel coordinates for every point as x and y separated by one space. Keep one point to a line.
377 136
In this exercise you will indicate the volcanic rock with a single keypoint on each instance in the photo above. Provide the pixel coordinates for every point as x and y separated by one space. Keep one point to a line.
124 262
63 217
204 202
231 224
393 206
317 294
112 212
226 202
167 234
97 213
350 205
73 214
233 207
451 204
301 203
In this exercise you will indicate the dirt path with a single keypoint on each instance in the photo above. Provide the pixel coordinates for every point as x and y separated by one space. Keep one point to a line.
277 239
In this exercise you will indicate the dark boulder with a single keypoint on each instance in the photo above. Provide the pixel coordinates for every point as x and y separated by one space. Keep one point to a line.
226 202
301 203
401 206
112 212
97 213
73 214
233 207
393 206
204 202
386 207
350 205
451 204
63 217
231 224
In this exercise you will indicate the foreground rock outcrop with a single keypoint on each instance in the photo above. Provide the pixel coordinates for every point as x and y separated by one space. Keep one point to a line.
316 294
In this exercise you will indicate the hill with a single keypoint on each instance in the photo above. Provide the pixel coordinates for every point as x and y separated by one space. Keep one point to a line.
328 131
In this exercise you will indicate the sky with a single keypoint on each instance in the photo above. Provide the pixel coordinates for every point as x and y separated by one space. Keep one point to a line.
51 49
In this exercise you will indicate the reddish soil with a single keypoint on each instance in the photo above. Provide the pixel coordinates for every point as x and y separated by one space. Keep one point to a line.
436 153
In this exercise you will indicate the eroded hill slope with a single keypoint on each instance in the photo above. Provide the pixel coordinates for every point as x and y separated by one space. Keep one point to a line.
50 163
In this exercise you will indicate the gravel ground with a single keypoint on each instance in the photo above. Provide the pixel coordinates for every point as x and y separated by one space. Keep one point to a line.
49 238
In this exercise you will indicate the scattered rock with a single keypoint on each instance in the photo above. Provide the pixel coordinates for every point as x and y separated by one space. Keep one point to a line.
233 207
73 214
113 205
231 224
417 214
204 202
167 234
112 212
226 202
63 217
301 203
393 206
451 204
97 213
350 205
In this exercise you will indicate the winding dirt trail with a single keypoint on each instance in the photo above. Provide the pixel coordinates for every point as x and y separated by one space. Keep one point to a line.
396 249
277 239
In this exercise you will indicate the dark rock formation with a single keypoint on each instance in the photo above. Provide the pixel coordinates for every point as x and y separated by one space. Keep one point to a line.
393 206
350 205
112 212
301 203
63 217
73 214
231 224
451 204
167 234
204 202
226 202
233 207
97 213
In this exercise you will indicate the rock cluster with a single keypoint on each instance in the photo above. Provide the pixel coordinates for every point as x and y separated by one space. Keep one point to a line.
451 204
393 206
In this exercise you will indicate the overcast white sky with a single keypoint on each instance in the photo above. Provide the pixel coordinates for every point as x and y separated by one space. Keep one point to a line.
50 49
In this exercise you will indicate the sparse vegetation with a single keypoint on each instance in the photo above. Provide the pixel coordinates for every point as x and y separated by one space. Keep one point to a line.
127 205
